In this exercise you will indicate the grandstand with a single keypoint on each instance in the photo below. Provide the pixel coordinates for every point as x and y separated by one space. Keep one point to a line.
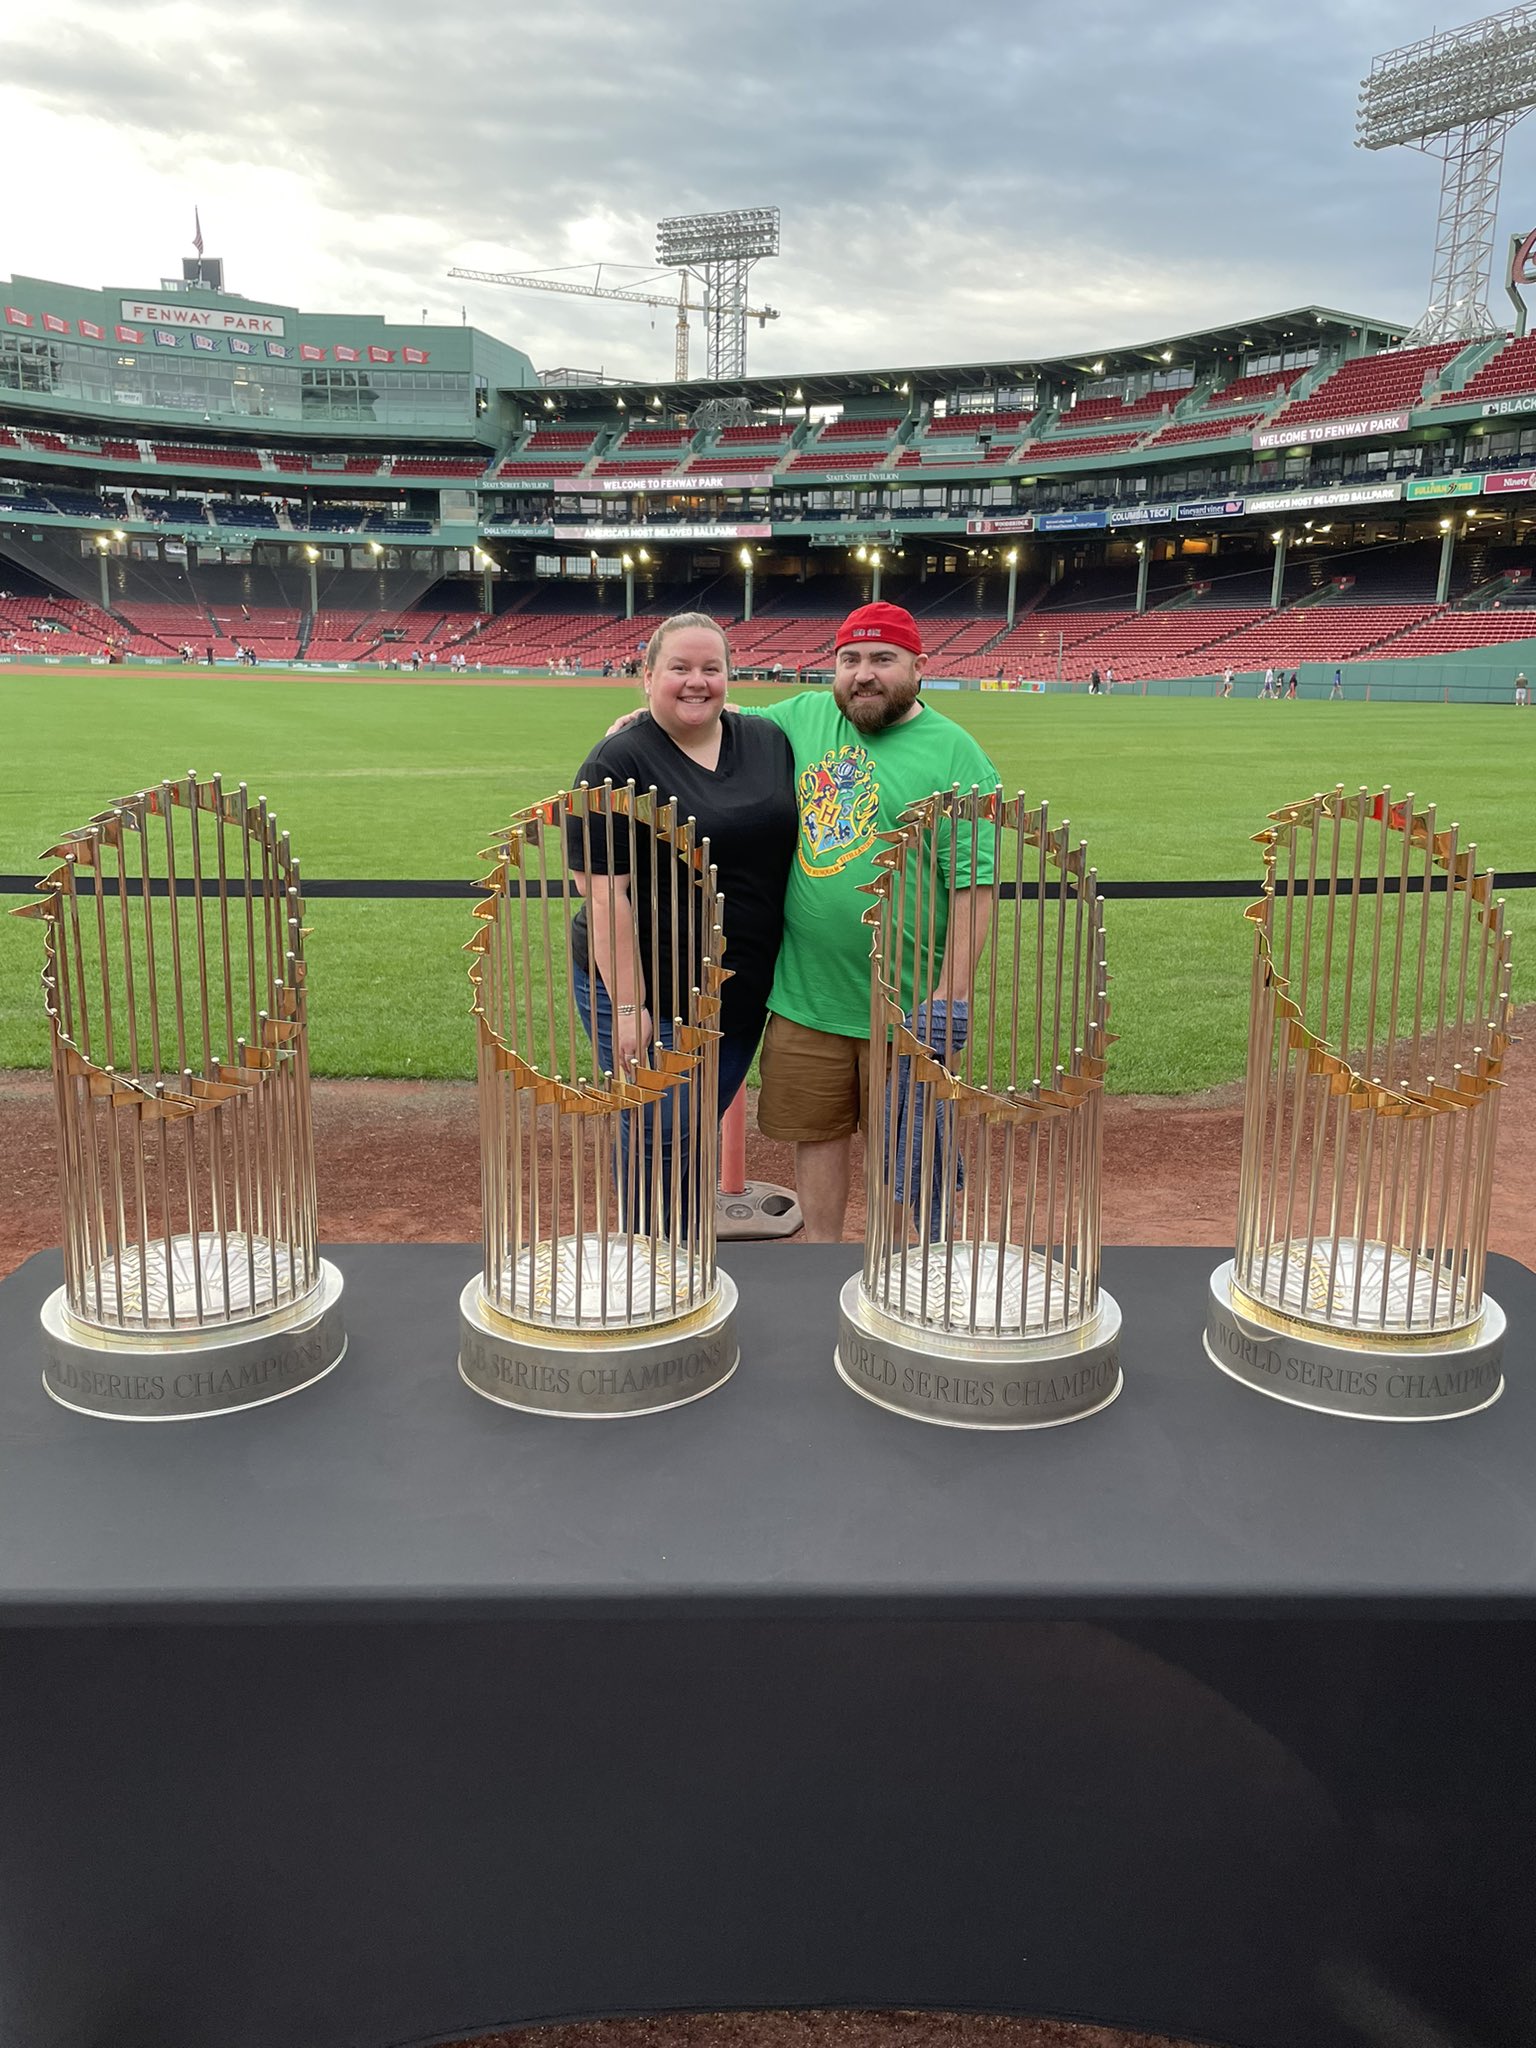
333 490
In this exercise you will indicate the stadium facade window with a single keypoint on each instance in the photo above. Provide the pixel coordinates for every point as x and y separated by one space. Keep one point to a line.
209 386
1287 359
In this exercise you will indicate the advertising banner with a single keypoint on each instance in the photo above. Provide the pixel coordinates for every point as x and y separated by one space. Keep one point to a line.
1069 522
1140 515
1325 500
656 534
1212 508
1495 408
1500 481
1307 433
1444 487
1003 522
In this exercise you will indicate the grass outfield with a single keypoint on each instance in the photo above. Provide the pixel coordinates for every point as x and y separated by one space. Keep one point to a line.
403 778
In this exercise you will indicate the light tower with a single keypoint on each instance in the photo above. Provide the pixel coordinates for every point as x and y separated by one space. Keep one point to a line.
719 249
1455 95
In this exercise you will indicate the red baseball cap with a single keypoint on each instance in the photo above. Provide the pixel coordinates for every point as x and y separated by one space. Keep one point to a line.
886 624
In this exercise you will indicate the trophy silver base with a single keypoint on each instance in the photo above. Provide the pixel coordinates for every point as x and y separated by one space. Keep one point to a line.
170 1374
597 1375
1374 1378
978 1382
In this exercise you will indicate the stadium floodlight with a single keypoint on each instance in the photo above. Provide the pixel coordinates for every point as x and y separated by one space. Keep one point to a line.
1456 94
719 249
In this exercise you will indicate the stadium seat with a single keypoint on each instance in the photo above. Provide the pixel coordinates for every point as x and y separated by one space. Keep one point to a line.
1510 373
1073 447
654 437
438 465
733 465
836 458
1180 431
205 458
1391 382
754 437
858 430
1110 411
1253 390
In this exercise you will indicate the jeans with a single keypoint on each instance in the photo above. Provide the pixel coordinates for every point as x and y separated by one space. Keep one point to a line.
736 1053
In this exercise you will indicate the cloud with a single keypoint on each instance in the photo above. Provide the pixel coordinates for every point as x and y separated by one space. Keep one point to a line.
1015 180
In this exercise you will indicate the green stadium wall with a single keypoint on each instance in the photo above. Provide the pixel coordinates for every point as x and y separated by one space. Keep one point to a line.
1478 675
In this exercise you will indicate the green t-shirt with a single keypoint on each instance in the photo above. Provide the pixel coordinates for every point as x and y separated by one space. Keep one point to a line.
849 786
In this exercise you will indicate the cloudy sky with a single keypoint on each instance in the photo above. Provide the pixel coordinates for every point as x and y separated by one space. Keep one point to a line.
1022 176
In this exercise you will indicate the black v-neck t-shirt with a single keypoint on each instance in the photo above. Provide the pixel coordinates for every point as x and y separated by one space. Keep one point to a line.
745 806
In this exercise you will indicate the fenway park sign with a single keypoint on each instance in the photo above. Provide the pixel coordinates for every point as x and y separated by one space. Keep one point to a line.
1307 433
201 319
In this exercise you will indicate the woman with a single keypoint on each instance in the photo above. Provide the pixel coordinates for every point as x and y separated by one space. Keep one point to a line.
735 778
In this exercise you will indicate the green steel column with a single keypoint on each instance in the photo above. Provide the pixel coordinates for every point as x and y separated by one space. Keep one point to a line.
1447 550
106 589
1013 584
1143 564
629 588
1277 581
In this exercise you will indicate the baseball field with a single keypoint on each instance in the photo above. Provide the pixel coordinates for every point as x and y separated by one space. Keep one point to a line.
407 779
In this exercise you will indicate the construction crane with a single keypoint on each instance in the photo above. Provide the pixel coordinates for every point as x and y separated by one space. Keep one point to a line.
684 304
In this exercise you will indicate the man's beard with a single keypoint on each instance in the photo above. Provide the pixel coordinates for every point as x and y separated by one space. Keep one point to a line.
874 712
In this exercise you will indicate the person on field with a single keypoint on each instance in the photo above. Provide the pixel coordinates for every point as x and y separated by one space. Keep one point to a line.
1522 691
735 778
1336 693
861 756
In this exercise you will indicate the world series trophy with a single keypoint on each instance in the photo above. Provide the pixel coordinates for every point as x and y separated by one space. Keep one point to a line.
1378 1026
174 981
599 1294
979 1305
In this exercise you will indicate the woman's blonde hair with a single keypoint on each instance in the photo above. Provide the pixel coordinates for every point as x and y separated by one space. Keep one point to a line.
680 622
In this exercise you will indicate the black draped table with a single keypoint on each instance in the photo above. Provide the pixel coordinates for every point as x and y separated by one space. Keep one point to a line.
383 1715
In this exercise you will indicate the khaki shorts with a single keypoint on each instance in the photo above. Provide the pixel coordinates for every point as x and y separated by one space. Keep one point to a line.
815 1083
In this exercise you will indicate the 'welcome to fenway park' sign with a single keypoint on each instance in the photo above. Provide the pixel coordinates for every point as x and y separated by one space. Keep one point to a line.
1306 433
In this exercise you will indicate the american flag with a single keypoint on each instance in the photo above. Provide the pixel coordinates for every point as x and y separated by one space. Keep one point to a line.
197 232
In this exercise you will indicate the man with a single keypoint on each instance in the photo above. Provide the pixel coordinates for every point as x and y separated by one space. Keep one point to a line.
1522 691
862 755
1336 694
